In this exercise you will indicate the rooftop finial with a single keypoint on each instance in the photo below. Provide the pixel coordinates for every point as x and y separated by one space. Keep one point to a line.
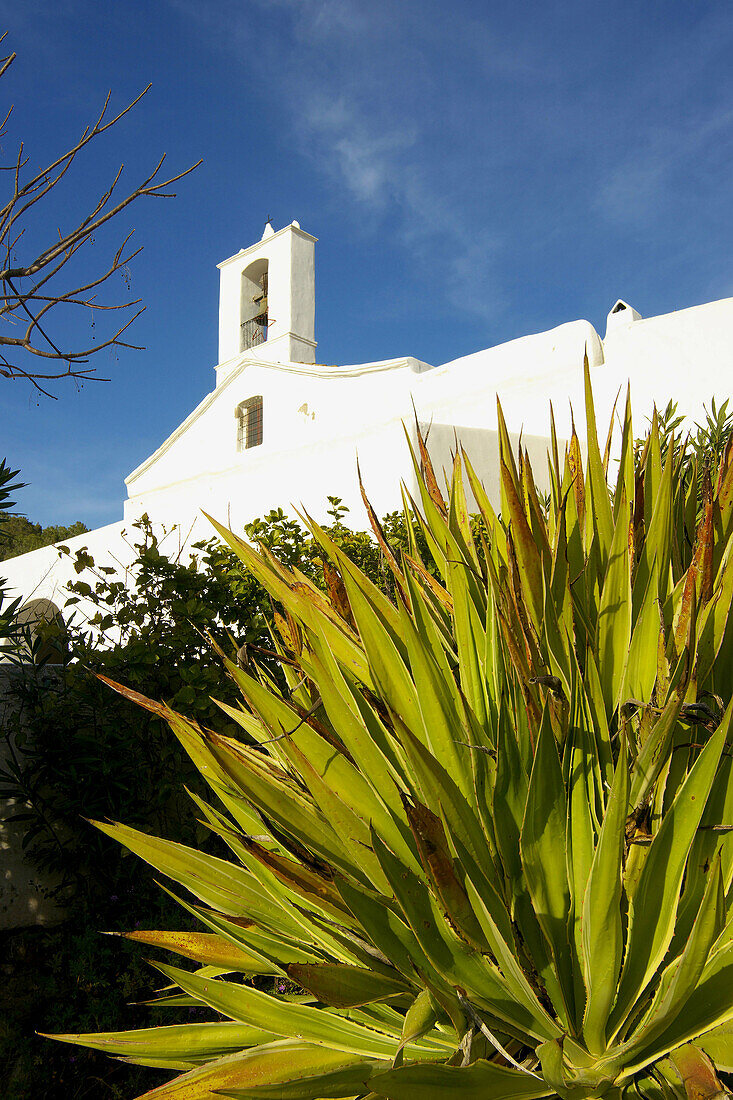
268 230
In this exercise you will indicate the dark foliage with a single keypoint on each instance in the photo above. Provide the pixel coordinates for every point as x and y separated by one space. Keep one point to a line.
84 751
20 535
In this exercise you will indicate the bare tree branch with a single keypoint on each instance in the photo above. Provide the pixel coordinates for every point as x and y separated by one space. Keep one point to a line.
34 286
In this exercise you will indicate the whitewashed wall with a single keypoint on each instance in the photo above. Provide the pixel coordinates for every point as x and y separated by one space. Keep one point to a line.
317 419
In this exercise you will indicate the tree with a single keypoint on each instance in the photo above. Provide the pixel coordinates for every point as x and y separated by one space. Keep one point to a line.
20 535
35 285
8 485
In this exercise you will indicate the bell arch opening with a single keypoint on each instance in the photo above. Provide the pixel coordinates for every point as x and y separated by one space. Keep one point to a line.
253 316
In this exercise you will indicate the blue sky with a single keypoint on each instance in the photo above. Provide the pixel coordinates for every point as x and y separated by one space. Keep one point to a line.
473 171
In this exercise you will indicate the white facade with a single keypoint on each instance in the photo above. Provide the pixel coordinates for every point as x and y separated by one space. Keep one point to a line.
316 419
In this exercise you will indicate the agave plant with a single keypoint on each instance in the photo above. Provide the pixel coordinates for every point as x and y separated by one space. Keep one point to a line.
480 836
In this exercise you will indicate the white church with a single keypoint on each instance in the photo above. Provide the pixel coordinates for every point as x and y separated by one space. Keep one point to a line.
280 429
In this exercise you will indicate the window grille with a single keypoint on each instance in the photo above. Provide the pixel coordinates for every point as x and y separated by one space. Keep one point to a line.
249 423
254 330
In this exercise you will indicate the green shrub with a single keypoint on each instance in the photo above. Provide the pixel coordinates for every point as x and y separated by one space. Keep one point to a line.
485 827
77 750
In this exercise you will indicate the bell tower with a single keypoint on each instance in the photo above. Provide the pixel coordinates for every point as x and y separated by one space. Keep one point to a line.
267 301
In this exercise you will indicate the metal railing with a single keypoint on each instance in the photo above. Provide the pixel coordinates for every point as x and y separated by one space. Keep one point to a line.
254 332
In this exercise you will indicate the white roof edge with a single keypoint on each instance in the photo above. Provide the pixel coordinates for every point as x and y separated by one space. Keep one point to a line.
684 309
315 370
257 244
595 350
327 370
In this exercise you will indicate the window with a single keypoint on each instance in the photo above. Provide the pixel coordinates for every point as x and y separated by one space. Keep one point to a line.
249 423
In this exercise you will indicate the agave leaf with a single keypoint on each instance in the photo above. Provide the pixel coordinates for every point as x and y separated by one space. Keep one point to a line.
478 1081
653 754
373 755
350 827
441 540
221 825
681 977
427 473
434 632
602 926
193 741
435 548
510 797
613 630
599 516
271 791
573 476
626 474
439 594
558 615
485 508
439 790
379 535
535 511
459 520
386 663
654 907
277 950
440 870
542 1025
718 1045
392 937
528 557
223 885
346 986
707 842
381 605
707 1007
193 1042
658 542
268 940
542 847
351 1080
204 947
176 1000
599 721
640 674
580 835
697 1073
312 885
158 1063
459 964
420 1018
468 624
259 1009
269 1064
303 602
652 469
714 620
442 727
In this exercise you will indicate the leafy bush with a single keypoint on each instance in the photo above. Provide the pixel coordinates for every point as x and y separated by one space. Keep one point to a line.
78 750
485 827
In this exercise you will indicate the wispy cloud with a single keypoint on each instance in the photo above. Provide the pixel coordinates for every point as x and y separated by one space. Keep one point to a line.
336 135
349 100
649 175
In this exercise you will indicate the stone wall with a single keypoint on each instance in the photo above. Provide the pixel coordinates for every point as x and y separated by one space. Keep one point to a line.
27 897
